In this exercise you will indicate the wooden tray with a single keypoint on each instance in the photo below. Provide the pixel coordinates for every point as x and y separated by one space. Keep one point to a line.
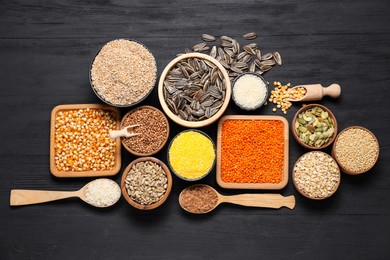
70 174
265 186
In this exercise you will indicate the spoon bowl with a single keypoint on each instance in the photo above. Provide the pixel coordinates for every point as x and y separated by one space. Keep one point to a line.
28 197
317 92
205 199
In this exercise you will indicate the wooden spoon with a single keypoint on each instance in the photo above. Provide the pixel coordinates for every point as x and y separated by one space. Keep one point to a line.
28 197
317 92
125 132
274 201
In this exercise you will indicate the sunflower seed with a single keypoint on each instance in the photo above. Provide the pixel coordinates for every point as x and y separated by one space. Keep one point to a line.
277 57
265 68
204 49
234 59
226 38
199 46
223 63
268 62
252 67
228 59
241 55
241 65
250 36
230 52
258 54
249 50
208 37
253 45
213 52
267 56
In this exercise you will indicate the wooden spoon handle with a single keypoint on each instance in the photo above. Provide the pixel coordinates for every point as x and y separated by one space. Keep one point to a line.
27 197
333 91
274 201
117 133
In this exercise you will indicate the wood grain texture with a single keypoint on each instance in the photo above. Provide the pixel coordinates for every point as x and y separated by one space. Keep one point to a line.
46 48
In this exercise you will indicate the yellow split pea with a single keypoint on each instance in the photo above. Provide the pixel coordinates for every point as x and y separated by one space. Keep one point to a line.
191 155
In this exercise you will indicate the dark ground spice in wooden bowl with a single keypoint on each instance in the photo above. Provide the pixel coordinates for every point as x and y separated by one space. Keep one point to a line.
198 199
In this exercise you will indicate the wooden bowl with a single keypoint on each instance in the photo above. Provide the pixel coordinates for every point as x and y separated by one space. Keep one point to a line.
304 194
334 155
263 186
70 174
101 97
294 133
161 146
136 204
177 119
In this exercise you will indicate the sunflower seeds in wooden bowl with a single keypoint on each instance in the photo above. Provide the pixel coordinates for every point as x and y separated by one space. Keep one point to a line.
194 89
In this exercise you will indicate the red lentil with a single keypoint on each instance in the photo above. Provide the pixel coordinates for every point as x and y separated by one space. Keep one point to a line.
252 151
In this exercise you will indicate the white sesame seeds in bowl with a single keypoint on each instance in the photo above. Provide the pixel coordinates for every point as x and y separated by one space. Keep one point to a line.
123 73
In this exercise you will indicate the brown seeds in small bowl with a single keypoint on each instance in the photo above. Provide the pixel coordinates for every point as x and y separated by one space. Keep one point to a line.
146 183
153 129
316 175
314 126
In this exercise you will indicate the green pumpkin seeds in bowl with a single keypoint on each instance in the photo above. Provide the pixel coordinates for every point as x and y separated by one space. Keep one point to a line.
314 126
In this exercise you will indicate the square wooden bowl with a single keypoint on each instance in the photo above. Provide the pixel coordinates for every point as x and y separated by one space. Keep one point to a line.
265 186
70 174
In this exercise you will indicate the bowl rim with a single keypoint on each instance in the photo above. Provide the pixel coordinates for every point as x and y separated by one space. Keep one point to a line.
169 161
334 155
177 119
266 90
301 192
157 203
106 101
296 137
162 145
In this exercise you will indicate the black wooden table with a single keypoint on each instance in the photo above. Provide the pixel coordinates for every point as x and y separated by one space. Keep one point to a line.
45 51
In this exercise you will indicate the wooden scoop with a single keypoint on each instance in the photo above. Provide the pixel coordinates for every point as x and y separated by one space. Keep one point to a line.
125 132
317 92
274 201
28 197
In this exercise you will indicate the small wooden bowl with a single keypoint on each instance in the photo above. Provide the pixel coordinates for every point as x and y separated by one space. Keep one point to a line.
177 119
161 146
263 186
304 194
101 97
294 133
156 204
70 174
334 155
169 162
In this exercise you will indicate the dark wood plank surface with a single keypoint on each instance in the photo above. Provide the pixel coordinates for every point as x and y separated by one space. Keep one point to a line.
45 51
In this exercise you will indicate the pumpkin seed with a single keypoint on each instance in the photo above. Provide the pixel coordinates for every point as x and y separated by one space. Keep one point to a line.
314 127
